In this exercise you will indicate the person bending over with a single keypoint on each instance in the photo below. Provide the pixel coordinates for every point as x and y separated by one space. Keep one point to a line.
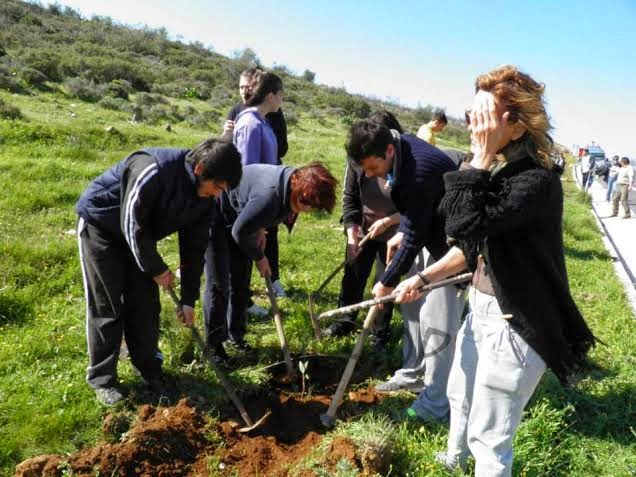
122 215
266 196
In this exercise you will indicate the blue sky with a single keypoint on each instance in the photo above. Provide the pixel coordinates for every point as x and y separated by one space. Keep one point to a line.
430 52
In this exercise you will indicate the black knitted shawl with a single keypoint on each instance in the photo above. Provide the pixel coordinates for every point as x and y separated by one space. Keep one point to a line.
517 214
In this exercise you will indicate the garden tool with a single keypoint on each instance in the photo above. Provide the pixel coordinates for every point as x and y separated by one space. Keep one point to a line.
329 418
278 320
314 296
205 350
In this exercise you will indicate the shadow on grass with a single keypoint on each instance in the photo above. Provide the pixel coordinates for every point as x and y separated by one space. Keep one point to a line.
607 414
15 310
587 254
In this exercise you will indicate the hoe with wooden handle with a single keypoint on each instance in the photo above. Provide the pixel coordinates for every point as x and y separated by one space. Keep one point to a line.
314 296
249 424
329 418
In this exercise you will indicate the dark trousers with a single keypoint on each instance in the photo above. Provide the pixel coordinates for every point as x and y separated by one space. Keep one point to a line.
354 282
121 301
271 251
227 287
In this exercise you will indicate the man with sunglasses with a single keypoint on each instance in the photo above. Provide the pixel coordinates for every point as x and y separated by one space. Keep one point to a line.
414 171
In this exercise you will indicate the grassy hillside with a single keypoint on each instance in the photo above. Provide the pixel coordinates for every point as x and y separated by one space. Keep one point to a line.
59 142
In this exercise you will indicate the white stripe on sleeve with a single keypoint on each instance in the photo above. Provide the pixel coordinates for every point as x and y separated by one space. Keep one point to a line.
133 197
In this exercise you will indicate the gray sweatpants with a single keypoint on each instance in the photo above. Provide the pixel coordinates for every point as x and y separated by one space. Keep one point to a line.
494 374
430 328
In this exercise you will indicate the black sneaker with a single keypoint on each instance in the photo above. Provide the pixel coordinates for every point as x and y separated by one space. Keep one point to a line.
219 355
240 345
108 396
338 328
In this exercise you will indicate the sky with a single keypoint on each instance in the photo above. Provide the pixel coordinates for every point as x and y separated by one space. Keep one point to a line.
429 52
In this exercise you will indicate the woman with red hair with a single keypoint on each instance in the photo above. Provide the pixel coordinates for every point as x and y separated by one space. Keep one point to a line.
266 196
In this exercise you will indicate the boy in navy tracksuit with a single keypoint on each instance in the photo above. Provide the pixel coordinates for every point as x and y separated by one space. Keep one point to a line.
122 215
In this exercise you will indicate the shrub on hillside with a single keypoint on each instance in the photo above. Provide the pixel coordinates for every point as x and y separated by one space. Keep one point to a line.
115 89
32 77
150 99
81 88
222 97
46 61
116 104
161 112
291 117
8 111
9 81
204 120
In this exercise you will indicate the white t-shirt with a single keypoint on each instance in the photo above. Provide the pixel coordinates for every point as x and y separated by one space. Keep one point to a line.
625 175
585 164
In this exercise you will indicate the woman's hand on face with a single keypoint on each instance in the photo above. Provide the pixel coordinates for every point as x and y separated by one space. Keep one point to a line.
409 290
489 129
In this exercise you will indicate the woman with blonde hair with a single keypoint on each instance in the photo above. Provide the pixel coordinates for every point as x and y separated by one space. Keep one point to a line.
503 214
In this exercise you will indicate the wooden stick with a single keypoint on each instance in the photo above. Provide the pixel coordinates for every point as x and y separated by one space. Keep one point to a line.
312 317
279 326
225 382
313 296
345 310
339 267
329 418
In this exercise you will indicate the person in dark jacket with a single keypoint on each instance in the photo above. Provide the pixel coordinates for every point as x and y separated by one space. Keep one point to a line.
414 170
122 215
366 208
266 196
248 82
504 214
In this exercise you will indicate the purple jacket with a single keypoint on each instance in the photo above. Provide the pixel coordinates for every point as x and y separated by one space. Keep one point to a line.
255 138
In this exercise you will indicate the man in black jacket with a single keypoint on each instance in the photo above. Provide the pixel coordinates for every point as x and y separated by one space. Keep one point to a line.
122 215
277 121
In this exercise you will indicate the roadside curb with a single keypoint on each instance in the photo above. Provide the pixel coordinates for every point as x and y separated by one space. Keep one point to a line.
623 272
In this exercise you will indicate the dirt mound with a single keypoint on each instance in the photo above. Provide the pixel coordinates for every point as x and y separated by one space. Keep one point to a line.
177 441
163 442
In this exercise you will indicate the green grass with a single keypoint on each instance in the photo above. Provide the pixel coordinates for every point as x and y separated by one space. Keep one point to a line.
48 158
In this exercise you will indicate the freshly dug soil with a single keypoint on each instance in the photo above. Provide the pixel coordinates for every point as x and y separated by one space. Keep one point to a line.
175 441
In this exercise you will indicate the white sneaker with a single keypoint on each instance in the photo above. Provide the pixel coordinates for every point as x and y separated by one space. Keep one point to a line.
449 463
279 291
257 311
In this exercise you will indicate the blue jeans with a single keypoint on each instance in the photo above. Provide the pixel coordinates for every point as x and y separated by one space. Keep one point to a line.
610 187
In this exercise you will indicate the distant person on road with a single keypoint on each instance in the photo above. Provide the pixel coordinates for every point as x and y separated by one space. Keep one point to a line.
624 182
503 217
266 196
612 176
435 126
122 215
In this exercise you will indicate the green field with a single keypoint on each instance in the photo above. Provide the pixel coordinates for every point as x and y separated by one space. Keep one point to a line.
49 157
